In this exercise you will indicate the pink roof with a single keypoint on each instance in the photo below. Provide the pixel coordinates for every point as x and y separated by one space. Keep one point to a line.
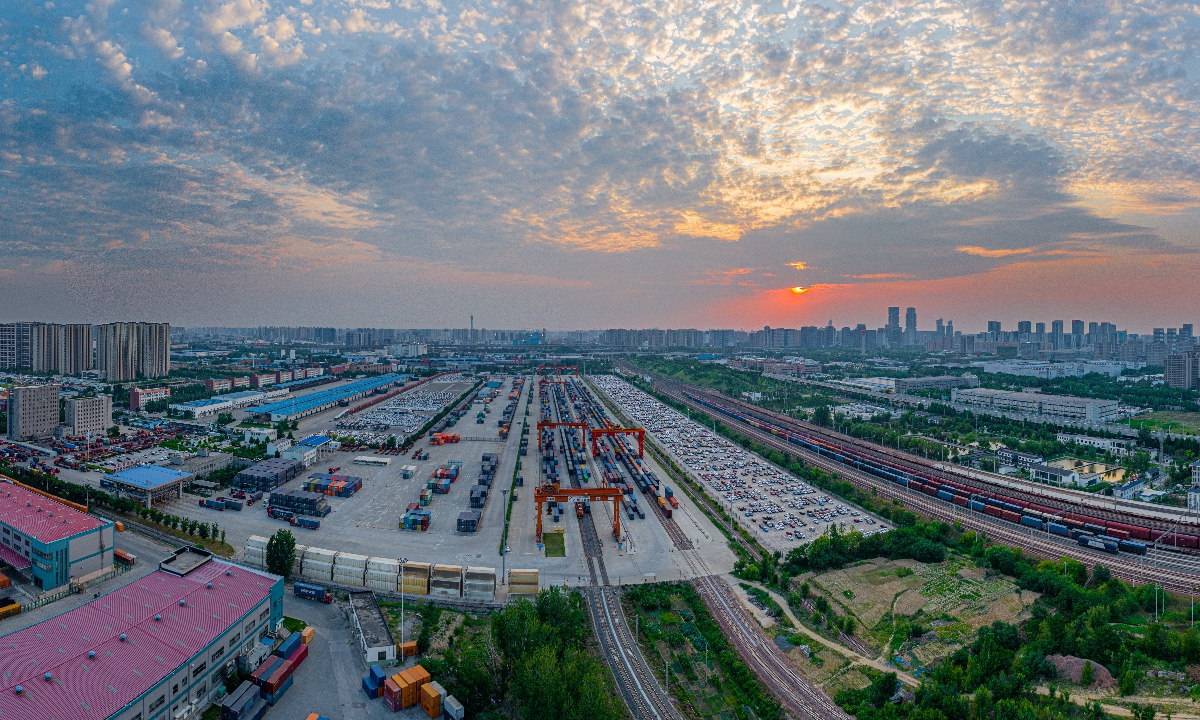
19 510
14 558
86 689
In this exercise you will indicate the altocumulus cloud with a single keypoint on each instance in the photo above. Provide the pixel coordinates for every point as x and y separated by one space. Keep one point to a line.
617 144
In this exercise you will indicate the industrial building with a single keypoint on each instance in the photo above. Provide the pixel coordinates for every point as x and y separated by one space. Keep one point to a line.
88 416
49 541
1058 406
374 638
1054 475
140 397
1118 447
32 412
148 483
158 647
311 450
226 403
313 403
938 382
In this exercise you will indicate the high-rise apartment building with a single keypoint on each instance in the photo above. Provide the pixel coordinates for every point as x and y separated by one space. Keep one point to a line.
1076 327
993 327
32 412
60 349
14 345
910 320
129 350
88 415
1025 327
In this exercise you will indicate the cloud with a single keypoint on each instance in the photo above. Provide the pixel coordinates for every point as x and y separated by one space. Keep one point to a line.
993 252
631 148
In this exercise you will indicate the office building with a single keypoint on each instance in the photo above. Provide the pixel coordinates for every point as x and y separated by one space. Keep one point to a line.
139 398
129 350
60 349
993 328
1018 459
1053 475
32 412
159 647
88 416
49 541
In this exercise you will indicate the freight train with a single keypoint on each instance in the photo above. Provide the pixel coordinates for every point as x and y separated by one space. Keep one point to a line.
1088 531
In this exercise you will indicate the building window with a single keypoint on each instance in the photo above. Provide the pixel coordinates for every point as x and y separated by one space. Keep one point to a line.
262 615
199 669
157 703
217 654
249 627
234 640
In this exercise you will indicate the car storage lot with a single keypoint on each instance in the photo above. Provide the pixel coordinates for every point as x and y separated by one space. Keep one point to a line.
368 523
782 510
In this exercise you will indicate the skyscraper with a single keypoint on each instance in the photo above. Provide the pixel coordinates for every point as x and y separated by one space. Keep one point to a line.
129 350
1076 327
994 327
910 320
61 349
14 345
894 316
1024 327
1056 334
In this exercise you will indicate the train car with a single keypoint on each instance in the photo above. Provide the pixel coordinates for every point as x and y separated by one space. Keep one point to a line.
959 500
1010 516
1093 529
976 506
1058 529
1097 543
945 495
992 510
1033 522
1132 546
1117 533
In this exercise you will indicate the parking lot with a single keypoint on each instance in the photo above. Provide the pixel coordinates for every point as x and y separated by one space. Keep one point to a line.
781 509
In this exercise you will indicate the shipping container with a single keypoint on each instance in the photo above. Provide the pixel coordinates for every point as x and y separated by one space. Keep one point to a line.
288 646
452 709
276 696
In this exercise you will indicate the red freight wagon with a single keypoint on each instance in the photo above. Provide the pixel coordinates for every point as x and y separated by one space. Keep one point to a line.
991 510
1117 533
931 490
914 485
959 500
1188 541
1140 533
1010 516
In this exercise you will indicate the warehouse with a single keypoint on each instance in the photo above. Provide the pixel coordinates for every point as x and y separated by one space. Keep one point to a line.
51 542
313 403
158 647
1059 406
148 483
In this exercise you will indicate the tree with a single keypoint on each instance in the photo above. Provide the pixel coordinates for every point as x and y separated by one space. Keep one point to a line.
821 415
203 531
281 553
1087 675
224 418
114 431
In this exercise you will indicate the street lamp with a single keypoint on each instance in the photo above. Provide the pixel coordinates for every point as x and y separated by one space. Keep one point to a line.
503 554
403 562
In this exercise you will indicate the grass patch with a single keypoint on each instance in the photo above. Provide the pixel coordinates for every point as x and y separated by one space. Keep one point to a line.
294 624
556 544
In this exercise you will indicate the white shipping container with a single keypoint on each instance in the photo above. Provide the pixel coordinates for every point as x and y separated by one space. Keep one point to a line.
379 585
446 571
320 555
348 579
317 570
481 595
379 576
257 541
256 562
351 560
384 565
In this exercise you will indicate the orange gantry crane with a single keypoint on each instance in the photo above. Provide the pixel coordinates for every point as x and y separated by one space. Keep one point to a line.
551 492
551 424
640 432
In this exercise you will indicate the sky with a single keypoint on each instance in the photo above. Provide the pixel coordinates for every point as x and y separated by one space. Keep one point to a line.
540 163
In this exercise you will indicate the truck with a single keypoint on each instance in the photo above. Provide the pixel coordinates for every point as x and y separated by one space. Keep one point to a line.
280 513
313 592
305 522
214 504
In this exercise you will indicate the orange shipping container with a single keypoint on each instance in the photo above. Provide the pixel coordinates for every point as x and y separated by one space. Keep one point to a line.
306 635
431 701
407 692
120 526
409 648
4 581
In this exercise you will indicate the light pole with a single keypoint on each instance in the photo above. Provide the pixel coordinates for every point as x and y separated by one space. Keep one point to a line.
403 562
504 543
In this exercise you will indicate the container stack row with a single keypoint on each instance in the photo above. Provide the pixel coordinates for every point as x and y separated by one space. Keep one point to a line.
334 485
300 502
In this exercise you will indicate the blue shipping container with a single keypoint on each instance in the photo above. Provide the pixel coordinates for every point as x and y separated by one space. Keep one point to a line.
370 688
288 646
378 676
947 496
976 505
1057 529
1032 522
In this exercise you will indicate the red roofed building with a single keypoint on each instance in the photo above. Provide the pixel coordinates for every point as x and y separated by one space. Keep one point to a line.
51 542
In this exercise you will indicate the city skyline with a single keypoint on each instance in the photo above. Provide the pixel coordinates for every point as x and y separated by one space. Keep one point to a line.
240 162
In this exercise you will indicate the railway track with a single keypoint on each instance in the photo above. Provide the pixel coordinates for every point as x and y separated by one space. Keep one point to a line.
1176 572
801 699
1060 498
635 682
